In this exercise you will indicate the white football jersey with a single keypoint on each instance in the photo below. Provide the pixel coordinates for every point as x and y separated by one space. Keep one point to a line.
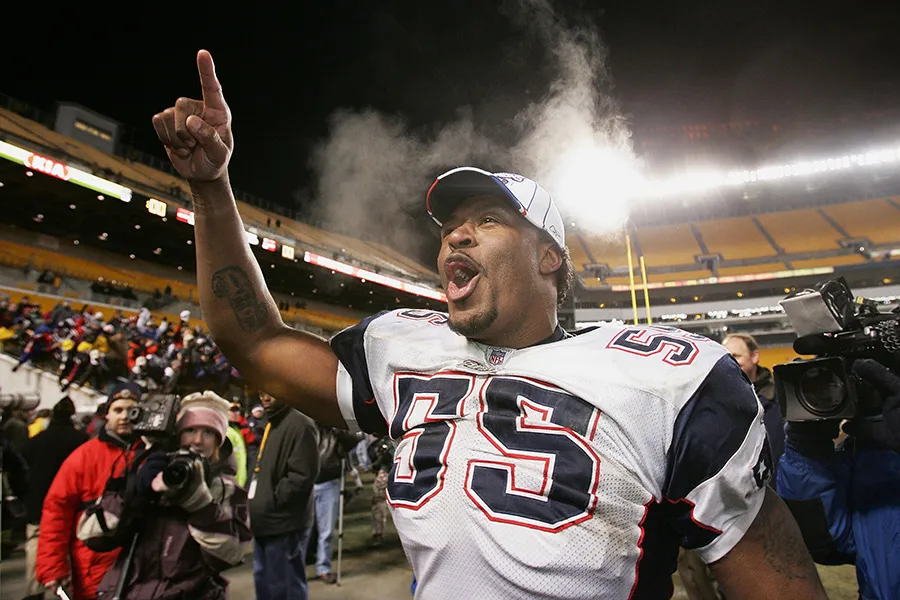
569 469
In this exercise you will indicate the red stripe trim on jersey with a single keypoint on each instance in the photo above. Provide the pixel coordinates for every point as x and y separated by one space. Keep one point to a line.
637 564
693 518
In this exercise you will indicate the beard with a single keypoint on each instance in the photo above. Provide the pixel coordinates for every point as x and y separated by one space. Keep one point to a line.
472 325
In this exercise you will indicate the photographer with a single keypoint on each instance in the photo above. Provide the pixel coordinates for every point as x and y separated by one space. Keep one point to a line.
196 521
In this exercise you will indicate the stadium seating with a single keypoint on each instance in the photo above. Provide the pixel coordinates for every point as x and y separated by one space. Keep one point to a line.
668 245
877 220
809 238
800 231
155 181
734 238
16 255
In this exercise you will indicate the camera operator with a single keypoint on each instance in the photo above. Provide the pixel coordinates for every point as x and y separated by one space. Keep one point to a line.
80 480
844 496
196 521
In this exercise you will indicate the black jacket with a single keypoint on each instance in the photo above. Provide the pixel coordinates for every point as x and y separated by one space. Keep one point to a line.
334 444
774 422
283 499
45 454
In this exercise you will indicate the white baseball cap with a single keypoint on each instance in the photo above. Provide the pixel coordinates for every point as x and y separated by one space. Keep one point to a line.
529 198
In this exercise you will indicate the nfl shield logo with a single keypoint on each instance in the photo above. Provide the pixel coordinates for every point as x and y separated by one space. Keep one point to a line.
497 356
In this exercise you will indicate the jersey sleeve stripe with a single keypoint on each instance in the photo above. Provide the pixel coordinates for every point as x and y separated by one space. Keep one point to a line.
345 398
349 346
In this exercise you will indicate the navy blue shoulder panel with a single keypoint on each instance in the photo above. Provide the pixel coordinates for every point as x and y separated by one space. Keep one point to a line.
710 428
350 349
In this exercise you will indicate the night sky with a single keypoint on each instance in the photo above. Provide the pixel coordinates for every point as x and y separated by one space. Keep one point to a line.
285 71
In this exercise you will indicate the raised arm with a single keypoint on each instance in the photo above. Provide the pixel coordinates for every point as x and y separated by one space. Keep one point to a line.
296 367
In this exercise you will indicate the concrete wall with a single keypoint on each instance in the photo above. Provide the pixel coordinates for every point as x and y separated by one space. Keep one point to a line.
583 315
29 379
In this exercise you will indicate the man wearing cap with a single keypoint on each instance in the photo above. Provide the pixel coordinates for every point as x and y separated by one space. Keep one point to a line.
531 462
81 480
45 454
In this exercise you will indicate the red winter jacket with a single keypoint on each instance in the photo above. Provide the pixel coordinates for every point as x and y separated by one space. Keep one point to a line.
79 482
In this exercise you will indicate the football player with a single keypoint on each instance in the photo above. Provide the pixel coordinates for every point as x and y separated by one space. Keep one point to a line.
530 462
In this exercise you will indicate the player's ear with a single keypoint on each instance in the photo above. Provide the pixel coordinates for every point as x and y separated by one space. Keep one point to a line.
551 258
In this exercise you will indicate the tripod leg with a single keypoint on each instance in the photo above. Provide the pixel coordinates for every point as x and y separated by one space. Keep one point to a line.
341 522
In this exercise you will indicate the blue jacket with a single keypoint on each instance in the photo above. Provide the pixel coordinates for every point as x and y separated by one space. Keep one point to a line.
854 493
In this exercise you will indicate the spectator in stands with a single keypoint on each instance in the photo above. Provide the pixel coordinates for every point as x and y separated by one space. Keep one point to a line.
281 502
745 351
81 480
61 312
40 343
334 445
45 454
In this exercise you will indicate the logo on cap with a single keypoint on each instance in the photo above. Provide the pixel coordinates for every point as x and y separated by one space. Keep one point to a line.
507 177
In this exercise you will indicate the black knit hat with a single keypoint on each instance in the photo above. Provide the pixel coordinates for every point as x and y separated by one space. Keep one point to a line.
64 409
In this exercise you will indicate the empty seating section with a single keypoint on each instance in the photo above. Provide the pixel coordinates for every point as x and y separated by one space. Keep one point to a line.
609 249
800 230
668 245
577 252
877 220
734 238
18 255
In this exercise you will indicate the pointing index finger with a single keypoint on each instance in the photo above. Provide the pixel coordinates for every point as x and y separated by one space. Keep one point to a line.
209 83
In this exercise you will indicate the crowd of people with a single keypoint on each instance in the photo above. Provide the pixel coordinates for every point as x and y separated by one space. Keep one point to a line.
99 499
84 346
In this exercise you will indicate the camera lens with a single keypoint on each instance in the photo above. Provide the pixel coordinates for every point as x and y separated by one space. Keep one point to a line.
134 414
178 473
822 392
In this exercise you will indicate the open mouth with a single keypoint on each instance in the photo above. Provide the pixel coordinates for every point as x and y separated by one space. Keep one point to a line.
463 276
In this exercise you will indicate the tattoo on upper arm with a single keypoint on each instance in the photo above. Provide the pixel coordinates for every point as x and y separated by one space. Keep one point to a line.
233 284
779 537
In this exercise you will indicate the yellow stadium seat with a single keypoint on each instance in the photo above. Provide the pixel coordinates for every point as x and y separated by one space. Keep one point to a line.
877 220
734 238
668 245
800 230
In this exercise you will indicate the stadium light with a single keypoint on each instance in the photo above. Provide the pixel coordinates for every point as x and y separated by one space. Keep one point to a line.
705 180
391 282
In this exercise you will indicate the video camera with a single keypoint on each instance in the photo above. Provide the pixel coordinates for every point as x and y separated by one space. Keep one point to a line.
156 418
839 329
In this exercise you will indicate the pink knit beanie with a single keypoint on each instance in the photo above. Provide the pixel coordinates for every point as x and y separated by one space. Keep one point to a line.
204 410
